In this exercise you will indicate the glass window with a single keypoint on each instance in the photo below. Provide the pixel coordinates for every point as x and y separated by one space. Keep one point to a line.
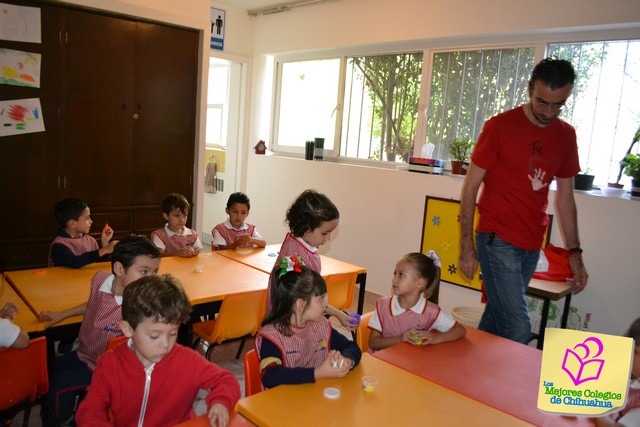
381 106
394 101
308 103
217 103
605 106
470 86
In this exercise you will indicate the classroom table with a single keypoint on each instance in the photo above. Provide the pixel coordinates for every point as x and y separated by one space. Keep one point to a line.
549 291
263 259
500 373
400 399
59 288
25 318
55 288
218 277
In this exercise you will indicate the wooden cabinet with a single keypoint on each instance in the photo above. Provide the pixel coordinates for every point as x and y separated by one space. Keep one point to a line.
119 99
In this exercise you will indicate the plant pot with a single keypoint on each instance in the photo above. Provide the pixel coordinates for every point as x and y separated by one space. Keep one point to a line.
583 182
459 168
635 187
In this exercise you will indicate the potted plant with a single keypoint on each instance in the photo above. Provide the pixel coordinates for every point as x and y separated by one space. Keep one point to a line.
623 164
584 181
631 166
460 150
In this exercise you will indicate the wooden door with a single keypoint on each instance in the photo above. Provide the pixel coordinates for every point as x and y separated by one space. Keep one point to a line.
165 99
97 108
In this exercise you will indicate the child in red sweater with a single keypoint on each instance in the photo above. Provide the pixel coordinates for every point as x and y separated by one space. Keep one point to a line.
150 380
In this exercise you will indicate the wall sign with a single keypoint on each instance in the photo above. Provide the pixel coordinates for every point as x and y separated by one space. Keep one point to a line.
218 24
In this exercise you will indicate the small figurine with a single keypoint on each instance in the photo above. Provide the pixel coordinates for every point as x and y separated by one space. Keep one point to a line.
260 147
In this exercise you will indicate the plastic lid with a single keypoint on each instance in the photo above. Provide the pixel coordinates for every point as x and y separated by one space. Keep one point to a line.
331 393
355 319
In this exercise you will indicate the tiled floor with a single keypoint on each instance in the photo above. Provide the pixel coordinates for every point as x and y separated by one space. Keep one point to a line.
224 356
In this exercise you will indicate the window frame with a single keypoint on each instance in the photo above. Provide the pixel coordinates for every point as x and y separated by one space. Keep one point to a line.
537 40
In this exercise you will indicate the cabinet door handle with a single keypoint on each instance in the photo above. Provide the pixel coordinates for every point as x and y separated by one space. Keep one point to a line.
136 116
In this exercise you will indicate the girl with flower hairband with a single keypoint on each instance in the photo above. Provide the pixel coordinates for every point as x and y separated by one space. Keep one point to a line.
297 344
312 218
411 313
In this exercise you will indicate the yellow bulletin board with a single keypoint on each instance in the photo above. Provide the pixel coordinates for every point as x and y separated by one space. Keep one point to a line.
441 232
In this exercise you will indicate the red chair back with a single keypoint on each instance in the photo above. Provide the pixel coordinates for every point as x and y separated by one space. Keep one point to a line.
252 380
24 373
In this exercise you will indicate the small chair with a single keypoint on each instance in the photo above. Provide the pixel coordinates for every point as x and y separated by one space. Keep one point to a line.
115 342
24 378
239 318
340 288
363 331
252 379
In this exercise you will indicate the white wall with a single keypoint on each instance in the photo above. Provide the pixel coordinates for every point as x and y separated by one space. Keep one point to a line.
382 210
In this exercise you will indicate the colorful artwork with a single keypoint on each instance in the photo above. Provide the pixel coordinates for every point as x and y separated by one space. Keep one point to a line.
20 116
441 232
19 23
19 68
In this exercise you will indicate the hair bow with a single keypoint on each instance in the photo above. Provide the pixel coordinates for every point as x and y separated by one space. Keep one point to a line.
435 258
291 263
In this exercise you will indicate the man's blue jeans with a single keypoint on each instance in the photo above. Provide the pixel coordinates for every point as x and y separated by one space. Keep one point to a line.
506 272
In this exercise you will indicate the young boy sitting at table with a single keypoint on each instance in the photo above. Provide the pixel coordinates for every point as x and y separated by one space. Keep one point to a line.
150 380
133 257
175 238
72 246
235 232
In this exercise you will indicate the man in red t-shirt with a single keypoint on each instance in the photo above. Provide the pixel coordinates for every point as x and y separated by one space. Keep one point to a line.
518 154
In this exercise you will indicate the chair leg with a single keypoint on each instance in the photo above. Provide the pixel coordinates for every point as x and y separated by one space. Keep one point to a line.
240 347
27 412
196 342
208 352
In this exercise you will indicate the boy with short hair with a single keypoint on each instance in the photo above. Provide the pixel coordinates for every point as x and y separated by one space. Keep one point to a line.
176 239
133 257
73 246
150 380
235 232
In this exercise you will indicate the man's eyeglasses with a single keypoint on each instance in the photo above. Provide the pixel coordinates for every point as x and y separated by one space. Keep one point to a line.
542 104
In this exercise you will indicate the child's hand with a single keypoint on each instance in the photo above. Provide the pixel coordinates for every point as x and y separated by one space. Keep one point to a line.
242 239
108 248
218 415
187 252
9 311
412 337
107 234
345 320
53 316
334 366
426 337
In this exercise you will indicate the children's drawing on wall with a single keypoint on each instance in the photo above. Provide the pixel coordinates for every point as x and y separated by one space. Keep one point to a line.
19 68
20 23
20 116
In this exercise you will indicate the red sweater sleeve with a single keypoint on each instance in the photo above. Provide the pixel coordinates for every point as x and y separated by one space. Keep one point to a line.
94 409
